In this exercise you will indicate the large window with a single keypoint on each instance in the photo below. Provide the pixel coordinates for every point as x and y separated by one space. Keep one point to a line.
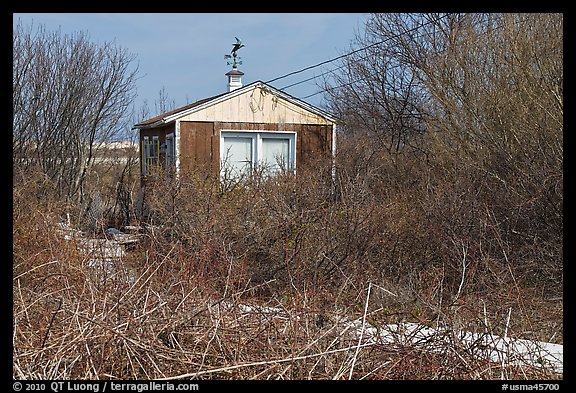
243 154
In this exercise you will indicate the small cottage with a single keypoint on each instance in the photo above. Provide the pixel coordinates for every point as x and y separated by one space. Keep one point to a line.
248 129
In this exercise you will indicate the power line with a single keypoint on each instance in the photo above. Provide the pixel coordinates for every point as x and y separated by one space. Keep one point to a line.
337 68
359 79
332 88
353 52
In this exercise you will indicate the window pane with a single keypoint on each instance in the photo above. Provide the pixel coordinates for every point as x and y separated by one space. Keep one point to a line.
170 151
155 150
275 154
237 156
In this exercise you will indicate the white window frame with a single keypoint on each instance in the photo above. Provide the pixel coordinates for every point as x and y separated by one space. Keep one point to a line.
257 137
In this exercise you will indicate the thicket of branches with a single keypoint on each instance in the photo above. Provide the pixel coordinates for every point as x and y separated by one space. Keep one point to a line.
222 290
488 91
69 96
447 196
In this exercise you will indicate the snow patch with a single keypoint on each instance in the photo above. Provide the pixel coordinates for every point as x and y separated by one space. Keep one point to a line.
504 350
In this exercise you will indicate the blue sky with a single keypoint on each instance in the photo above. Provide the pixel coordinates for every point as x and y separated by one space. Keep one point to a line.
183 53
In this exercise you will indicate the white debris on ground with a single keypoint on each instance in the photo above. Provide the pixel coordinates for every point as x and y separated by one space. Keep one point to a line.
504 350
102 255
121 237
101 248
67 232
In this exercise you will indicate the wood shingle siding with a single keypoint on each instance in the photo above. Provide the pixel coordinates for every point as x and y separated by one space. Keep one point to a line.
199 146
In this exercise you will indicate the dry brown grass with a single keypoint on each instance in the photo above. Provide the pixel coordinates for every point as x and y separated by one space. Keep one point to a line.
178 306
76 327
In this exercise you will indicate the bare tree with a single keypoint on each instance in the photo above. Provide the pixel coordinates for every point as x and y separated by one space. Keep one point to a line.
377 91
481 82
482 95
69 96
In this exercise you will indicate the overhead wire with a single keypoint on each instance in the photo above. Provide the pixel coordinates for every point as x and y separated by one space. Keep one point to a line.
346 55
349 54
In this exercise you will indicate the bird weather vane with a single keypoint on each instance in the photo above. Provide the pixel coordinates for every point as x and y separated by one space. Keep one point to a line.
234 56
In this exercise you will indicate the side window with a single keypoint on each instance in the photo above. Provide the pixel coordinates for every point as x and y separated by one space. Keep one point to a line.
170 151
155 151
150 153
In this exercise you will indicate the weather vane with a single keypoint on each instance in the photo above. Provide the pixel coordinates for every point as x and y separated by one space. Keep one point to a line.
236 59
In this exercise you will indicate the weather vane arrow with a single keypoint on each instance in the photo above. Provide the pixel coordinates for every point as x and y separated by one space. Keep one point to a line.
235 47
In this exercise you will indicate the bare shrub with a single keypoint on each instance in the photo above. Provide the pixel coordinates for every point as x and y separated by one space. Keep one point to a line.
69 96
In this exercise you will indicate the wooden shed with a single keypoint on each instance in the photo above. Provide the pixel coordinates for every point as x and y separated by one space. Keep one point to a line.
249 128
